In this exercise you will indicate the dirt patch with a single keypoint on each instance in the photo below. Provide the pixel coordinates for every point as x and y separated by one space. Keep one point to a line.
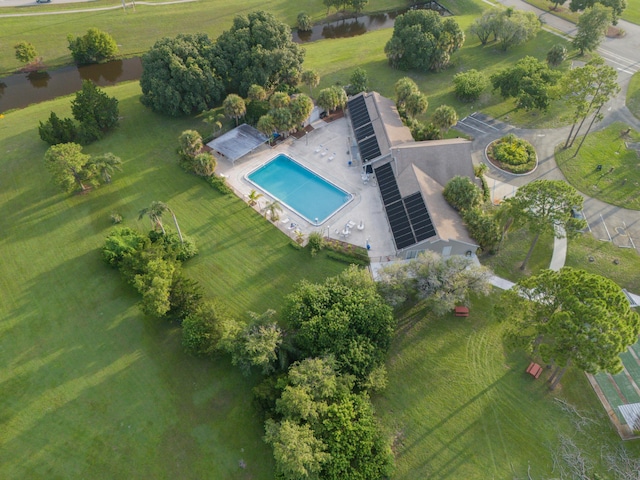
615 32
301 133
334 116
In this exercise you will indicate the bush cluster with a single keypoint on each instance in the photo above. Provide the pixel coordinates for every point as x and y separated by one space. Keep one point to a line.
515 155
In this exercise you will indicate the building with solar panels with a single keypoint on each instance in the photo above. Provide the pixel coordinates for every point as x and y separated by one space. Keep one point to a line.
411 177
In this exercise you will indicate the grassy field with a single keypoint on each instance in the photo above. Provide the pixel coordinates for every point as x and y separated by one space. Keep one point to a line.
506 263
633 95
617 183
135 32
460 405
631 13
90 387
334 60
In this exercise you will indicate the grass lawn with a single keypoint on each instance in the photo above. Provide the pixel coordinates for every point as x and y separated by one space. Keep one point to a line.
624 274
135 32
633 95
460 406
631 13
334 61
90 387
617 183
506 263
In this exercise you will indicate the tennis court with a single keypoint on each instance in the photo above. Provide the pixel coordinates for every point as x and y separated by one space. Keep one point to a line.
620 393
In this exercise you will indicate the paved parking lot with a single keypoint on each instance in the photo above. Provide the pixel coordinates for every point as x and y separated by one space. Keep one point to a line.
478 124
611 224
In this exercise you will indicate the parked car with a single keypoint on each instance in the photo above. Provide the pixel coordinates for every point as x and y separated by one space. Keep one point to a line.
43 1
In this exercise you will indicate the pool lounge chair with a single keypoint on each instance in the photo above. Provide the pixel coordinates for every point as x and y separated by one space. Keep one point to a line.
319 147
285 220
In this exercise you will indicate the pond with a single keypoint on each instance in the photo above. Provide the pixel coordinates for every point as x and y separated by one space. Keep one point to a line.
20 90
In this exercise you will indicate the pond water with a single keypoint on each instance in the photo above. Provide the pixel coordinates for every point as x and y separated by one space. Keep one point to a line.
20 90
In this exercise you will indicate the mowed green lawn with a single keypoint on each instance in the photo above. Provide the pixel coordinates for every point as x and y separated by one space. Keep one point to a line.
90 388
460 405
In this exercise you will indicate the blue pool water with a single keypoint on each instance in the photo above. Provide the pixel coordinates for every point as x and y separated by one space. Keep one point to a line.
299 189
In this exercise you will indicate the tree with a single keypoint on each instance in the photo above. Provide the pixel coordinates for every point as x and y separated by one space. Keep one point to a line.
279 100
556 55
178 76
106 165
69 167
556 3
266 125
422 41
469 85
301 107
616 6
123 243
254 197
344 317
332 98
485 25
256 93
483 228
58 130
515 27
462 194
572 317
529 81
298 453
95 111
258 49
304 22
208 328
358 81
154 213
358 5
190 144
445 117
257 344
155 286
592 25
442 282
271 209
234 107
282 120
94 47
544 206
587 89
25 52
311 79
213 118
185 297
416 104
404 88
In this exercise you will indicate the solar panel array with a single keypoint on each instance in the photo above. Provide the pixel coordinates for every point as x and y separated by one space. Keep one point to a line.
363 128
408 217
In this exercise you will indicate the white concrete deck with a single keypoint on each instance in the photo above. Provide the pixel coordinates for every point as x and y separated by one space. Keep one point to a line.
366 205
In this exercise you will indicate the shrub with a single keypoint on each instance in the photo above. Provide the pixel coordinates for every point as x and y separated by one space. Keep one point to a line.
220 184
94 47
316 242
304 22
121 243
469 85
185 297
462 194
514 154
483 228
116 218
556 55
58 130
206 329
95 111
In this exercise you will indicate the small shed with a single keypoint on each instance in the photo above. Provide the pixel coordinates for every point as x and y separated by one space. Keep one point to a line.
238 142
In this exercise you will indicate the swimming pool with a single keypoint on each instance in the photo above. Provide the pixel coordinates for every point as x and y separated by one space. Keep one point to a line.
298 188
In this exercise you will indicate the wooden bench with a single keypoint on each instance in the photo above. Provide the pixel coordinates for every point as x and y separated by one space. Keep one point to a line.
534 370
461 312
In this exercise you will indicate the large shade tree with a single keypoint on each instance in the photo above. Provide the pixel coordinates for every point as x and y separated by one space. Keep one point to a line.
592 26
69 167
572 317
515 27
257 49
345 317
422 41
544 206
530 81
178 76
93 47
95 111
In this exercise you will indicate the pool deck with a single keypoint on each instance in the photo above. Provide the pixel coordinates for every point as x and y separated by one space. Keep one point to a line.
365 207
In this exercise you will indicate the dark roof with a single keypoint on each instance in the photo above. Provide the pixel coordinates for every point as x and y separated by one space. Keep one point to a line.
238 142
362 124
408 217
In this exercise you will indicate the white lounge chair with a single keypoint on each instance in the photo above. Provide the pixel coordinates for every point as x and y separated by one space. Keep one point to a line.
318 148
350 224
285 220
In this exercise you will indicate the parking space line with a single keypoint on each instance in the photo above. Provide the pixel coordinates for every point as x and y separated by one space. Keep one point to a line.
480 121
606 229
629 235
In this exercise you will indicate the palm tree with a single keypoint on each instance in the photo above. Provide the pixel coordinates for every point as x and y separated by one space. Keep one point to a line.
155 211
106 165
272 209
214 119
253 197
234 107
